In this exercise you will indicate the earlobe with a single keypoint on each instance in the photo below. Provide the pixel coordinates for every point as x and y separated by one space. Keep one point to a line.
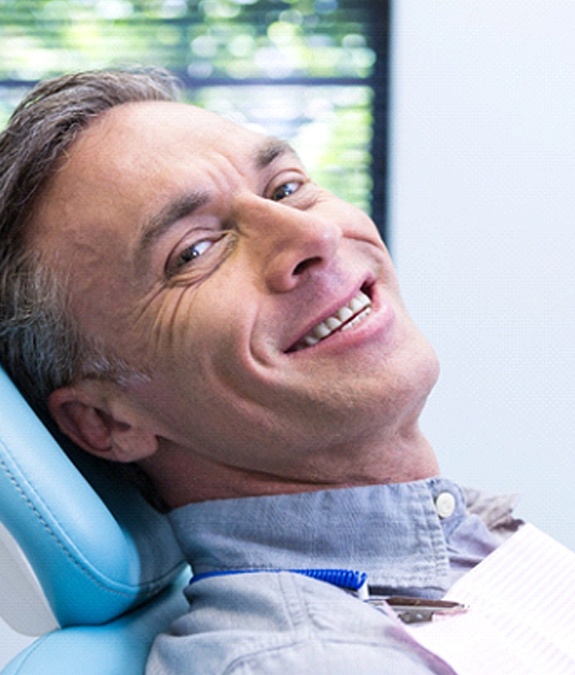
98 424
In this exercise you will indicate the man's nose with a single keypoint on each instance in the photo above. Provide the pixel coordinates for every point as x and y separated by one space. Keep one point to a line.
288 244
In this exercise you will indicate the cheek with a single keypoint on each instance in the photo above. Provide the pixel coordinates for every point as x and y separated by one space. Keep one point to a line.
193 333
355 223
201 393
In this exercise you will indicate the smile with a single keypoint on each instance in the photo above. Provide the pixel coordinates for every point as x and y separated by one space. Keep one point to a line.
356 310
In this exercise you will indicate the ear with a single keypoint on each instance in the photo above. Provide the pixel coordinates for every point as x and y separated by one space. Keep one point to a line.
97 417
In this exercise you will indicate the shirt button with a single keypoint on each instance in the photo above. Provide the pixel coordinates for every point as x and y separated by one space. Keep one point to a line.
445 504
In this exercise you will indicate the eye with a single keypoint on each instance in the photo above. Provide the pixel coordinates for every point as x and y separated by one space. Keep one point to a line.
193 261
285 190
192 252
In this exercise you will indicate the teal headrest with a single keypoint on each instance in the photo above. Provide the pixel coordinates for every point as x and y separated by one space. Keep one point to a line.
97 547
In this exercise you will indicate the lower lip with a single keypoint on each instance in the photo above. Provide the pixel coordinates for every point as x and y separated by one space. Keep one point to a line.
376 327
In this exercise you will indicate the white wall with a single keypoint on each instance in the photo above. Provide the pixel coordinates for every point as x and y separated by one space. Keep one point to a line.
482 216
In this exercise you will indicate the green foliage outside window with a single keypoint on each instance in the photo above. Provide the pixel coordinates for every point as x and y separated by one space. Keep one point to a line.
296 68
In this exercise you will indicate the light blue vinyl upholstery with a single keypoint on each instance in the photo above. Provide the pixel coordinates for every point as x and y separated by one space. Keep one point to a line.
106 560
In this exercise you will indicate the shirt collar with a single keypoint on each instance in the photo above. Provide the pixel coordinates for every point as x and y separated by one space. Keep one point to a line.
393 532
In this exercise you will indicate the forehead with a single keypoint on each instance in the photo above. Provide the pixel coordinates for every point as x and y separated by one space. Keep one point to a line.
146 149
132 131
157 144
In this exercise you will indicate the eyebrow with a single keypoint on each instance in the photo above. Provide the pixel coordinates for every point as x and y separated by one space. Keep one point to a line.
271 149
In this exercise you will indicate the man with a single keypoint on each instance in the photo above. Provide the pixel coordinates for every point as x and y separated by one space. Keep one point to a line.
184 298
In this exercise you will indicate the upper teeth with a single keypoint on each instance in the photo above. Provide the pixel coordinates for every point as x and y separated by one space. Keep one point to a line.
356 310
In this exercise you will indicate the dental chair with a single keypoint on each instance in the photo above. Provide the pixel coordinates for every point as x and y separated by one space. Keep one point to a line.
86 563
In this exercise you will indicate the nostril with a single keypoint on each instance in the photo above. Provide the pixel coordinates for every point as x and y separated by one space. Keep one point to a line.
305 264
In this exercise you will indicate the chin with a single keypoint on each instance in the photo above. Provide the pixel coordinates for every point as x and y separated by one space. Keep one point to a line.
425 369
412 383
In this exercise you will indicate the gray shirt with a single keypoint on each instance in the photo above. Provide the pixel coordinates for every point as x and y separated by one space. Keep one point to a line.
251 613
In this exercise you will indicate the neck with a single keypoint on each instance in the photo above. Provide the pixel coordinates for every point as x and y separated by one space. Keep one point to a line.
182 476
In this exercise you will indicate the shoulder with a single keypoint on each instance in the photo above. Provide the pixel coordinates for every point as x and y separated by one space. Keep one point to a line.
280 622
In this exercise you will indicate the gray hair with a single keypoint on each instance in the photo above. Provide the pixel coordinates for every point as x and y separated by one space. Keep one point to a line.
41 346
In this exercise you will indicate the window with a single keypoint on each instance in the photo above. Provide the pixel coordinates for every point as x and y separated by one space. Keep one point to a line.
310 71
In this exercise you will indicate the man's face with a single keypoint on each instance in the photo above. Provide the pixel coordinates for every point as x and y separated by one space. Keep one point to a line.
264 310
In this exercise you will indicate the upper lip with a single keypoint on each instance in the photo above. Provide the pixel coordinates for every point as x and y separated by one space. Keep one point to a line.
334 318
